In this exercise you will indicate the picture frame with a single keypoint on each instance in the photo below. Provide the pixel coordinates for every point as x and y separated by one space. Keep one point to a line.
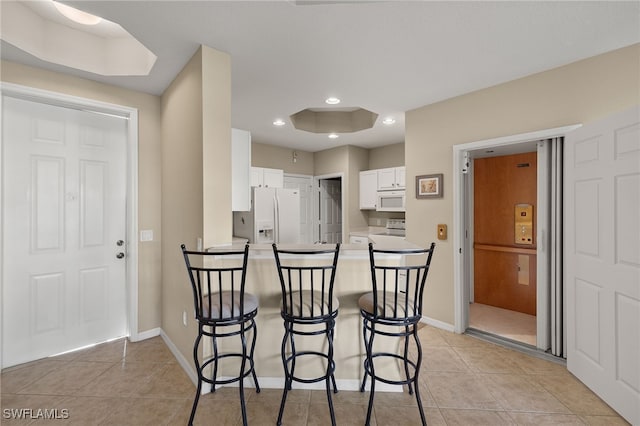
429 186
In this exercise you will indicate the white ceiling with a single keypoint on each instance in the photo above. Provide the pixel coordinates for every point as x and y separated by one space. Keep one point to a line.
385 56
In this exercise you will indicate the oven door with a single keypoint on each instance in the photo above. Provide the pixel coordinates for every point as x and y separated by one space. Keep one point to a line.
390 201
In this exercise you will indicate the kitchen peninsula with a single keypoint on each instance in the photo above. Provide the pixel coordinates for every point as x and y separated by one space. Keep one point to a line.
353 278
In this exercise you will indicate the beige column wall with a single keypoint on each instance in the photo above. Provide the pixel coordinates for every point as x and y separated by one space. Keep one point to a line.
216 152
196 200
576 93
358 161
149 169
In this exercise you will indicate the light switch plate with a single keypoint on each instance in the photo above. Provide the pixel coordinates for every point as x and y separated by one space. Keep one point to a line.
146 235
442 231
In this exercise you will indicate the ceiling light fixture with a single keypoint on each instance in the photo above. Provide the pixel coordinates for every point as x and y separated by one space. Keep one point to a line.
279 122
332 101
388 121
76 15
333 136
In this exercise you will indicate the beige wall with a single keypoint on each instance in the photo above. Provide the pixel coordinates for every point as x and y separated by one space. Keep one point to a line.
216 154
358 161
386 156
196 199
576 93
276 157
149 169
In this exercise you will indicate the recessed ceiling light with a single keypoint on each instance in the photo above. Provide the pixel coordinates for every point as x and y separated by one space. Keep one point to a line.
332 101
333 136
279 122
76 15
389 120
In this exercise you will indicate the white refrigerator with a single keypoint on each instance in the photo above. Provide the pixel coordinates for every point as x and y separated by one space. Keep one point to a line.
274 217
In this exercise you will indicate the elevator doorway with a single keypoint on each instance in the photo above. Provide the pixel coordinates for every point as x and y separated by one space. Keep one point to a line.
547 233
503 297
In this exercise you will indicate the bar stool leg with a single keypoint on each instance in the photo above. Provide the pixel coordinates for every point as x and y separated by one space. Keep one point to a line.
253 347
416 383
366 345
199 372
330 370
287 375
241 381
407 333
215 357
371 371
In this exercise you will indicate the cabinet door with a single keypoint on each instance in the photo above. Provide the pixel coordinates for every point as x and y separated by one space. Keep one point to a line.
386 179
400 178
273 178
368 189
256 177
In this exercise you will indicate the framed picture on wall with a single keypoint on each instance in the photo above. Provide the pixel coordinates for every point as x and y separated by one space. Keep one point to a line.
429 186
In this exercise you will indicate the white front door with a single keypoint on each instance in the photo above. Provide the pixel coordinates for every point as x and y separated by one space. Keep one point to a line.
64 212
602 259
304 185
331 211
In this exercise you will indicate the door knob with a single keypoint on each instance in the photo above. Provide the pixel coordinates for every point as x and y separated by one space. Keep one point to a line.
120 255
119 242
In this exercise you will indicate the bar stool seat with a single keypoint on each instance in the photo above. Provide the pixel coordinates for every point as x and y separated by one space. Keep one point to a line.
385 302
229 299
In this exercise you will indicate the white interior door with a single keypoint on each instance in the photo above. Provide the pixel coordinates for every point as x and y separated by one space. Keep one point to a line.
304 185
64 211
602 259
331 211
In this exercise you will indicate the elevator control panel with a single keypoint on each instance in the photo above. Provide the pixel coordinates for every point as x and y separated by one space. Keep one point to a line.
524 224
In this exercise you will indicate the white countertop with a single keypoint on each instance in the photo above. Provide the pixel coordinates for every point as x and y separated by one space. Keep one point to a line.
348 251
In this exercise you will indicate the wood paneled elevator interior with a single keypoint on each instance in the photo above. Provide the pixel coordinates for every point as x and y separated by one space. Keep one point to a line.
505 193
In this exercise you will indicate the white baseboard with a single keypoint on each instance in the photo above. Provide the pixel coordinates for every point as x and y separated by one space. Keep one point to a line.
144 335
186 365
438 324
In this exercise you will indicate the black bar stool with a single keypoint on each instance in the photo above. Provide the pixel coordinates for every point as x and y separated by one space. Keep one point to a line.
394 309
218 282
306 279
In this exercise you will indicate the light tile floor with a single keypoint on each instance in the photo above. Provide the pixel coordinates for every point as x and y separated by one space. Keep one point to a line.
464 381
503 322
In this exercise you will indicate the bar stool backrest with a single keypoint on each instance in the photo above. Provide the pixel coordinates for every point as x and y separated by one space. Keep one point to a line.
398 288
306 280
218 280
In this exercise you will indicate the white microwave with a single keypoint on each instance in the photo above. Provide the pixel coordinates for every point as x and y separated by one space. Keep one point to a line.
390 201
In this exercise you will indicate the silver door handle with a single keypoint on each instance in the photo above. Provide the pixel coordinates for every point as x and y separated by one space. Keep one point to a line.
120 255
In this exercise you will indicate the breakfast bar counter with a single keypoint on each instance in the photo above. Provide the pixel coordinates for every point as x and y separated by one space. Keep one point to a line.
353 278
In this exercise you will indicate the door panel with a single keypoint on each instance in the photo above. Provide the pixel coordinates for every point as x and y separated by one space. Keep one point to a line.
331 210
64 209
602 258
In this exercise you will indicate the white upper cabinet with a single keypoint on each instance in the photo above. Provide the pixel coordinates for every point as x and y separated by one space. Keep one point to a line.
267 178
368 189
391 178
240 170
401 177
